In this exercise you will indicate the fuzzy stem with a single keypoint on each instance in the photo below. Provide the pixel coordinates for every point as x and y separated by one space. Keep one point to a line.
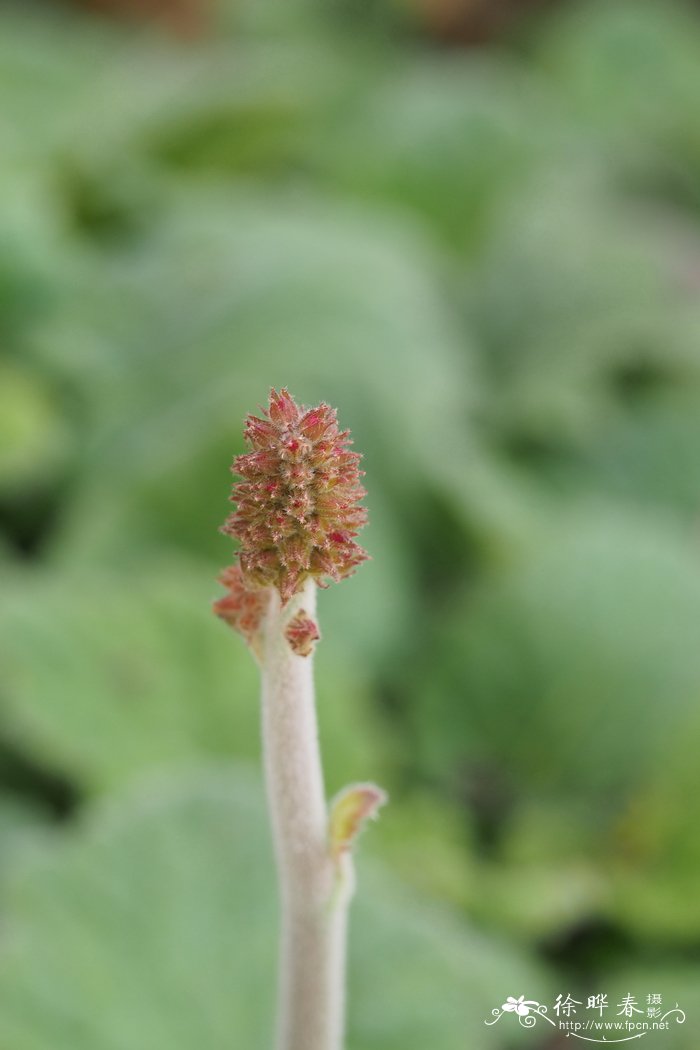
312 950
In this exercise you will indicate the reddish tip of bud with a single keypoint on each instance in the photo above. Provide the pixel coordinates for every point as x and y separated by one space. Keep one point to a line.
242 607
282 409
298 503
302 633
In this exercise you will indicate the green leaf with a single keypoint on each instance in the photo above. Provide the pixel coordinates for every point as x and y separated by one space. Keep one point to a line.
575 670
155 925
35 441
22 827
573 285
547 877
234 293
426 825
649 455
448 139
603 60
47 63
654 861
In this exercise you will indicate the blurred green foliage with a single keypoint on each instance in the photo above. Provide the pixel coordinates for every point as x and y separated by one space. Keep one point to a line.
490 262
164 901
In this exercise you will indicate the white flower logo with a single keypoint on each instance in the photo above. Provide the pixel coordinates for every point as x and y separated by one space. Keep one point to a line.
526 1010
517 1006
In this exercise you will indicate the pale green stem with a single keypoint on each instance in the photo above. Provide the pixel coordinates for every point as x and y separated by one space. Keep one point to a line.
313 943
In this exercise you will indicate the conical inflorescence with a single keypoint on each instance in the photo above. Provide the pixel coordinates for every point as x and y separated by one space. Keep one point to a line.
298 505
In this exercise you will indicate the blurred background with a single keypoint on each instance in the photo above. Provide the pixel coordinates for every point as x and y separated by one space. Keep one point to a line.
474 227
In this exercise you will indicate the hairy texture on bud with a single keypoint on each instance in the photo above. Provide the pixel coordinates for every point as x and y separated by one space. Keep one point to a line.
302 633
242 607
349 812
298 509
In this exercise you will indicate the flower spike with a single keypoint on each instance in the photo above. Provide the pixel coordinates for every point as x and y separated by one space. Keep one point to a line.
298 503
298 512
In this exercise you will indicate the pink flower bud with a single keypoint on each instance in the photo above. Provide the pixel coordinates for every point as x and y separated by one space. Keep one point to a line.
302 633
242 607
